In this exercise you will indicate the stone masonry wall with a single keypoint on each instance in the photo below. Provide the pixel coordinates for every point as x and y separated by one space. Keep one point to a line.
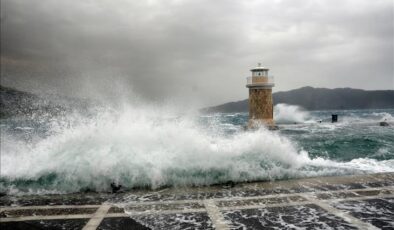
260 104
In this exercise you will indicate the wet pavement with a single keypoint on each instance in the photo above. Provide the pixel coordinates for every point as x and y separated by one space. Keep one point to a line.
344 202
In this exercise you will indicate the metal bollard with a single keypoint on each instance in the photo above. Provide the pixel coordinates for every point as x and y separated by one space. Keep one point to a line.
334 118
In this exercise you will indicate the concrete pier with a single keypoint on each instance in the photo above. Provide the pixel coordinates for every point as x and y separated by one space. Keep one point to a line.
350 202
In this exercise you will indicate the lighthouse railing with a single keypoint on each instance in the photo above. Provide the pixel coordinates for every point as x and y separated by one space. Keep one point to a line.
260 80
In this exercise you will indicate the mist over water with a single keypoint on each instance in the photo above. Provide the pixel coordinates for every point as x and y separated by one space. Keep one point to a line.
154 146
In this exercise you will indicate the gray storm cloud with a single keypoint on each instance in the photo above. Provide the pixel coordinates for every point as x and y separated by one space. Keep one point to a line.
197 51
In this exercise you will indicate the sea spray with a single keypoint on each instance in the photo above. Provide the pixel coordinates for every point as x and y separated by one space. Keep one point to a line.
284 113
144 147
151 146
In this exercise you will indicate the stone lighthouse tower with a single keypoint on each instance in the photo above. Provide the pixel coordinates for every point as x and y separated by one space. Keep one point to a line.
260 98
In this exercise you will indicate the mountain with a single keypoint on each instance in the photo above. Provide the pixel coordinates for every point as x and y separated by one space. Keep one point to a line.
321 99
18 103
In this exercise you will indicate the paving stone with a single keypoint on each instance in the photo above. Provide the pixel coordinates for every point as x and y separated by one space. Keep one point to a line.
177 221
336 195
378 212
265 201
120 223
47 212
63 199
163 207
116 210
374 192
290 217
44 224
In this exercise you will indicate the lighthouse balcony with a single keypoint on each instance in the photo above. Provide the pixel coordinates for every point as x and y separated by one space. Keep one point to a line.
262 81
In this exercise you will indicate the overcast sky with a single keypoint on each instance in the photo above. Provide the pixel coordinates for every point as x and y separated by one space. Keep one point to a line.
198 51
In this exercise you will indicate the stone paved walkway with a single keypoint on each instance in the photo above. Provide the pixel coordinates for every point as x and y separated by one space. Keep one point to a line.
348 202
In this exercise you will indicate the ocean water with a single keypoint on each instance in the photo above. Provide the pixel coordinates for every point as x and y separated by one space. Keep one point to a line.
154 146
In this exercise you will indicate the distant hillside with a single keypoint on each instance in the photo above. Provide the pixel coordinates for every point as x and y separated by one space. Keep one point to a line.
321 99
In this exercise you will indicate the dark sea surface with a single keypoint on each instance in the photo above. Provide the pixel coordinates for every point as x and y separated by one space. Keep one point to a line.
152 148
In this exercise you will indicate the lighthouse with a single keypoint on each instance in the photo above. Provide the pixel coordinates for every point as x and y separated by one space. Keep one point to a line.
261 111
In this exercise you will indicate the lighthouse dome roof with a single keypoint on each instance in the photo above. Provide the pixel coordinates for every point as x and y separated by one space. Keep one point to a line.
259 68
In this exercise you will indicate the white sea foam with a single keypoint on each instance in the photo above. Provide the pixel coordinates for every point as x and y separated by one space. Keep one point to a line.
24 128
284 113
384 116
145 147
366 118
150 146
